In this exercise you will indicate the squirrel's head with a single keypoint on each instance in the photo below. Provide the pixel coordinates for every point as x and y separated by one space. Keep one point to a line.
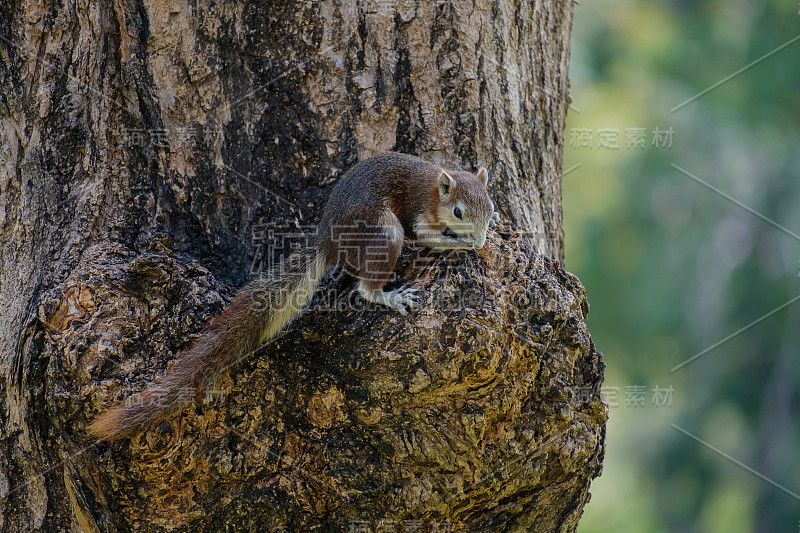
465 208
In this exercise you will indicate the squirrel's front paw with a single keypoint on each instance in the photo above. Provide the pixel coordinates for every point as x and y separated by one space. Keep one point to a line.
403 299
495 220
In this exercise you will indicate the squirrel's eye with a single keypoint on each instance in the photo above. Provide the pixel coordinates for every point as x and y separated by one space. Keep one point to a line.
457 212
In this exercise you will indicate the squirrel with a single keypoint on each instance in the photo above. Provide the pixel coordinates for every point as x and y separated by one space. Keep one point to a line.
372 207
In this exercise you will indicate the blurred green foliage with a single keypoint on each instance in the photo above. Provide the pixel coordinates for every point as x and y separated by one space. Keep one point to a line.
673 267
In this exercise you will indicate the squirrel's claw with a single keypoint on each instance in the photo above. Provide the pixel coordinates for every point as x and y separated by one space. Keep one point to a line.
404 299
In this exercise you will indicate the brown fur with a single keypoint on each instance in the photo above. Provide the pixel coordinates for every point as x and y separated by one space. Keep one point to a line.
260 310
370 209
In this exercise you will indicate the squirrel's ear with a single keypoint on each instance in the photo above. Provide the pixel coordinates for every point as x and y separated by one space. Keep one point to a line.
446 184
483 175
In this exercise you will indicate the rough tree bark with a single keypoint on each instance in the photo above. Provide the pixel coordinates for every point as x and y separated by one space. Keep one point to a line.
145 142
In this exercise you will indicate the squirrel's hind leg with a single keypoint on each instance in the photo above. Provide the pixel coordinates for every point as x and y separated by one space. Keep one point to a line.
376 265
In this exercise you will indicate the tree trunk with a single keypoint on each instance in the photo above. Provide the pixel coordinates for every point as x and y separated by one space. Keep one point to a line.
147 146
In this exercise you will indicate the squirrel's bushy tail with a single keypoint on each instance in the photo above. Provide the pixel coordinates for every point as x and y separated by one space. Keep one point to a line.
257 313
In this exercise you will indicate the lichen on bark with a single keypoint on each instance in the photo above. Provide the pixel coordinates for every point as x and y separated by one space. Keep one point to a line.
488 393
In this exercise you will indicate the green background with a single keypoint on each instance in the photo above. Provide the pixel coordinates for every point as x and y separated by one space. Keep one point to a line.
673 267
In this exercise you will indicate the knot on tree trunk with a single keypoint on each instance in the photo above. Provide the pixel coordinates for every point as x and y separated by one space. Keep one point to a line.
480 411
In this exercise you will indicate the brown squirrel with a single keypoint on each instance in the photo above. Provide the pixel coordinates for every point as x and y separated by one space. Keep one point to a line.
370 210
